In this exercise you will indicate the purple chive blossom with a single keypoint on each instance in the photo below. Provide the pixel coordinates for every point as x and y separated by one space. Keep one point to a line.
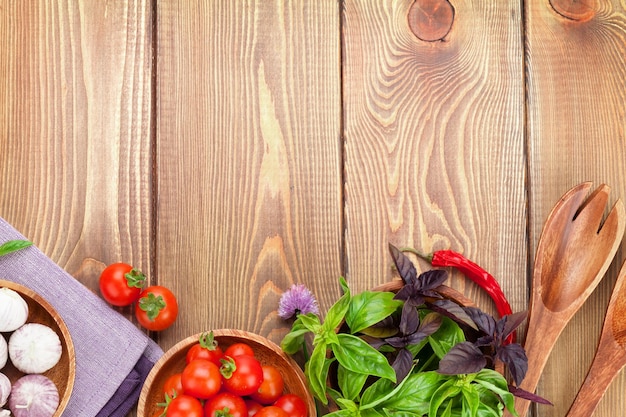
297 300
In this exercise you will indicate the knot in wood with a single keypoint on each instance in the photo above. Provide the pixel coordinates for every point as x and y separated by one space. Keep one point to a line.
431 20
577 10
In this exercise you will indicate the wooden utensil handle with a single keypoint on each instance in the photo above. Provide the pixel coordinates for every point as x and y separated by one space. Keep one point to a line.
609 360
540 339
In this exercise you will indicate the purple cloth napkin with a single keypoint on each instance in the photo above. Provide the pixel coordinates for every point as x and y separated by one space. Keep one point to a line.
113 357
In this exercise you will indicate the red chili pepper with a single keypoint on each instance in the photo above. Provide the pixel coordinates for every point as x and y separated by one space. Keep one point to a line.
449 258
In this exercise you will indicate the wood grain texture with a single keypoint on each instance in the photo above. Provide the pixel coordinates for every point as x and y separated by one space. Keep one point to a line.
434 141
576 107
249 160
75 130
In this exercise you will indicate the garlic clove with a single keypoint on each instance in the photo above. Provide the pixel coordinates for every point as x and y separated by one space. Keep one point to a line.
34 348
5 389
13 310
4 352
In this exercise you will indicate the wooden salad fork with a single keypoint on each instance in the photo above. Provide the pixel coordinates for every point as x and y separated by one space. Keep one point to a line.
574 251
610 355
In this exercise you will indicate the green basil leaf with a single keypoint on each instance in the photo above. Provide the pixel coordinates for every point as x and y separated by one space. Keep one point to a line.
13 246
446 391
370 307
340 413
358 356
337 312
496 383
416 393
344 285
448 335
371 412
402 413
350 383
447 412
316 371
294 340
309 321
471 399
377 392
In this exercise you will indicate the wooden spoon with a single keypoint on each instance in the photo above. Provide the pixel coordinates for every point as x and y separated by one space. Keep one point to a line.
610 356
575 250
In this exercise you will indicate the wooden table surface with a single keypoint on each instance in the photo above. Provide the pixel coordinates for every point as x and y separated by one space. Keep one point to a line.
232 148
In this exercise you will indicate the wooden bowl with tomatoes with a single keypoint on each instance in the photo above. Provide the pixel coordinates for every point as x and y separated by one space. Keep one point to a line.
191 366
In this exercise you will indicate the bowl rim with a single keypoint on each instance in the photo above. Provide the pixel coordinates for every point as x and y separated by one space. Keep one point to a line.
24 290
190 340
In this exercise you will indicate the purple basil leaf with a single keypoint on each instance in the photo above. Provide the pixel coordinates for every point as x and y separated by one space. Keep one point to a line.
410 294
513 321
410 319
454 311
484 321
518 392
405 267
415 338
486 340
463 358
374 342
399 342
432 279
402 364
430 324
514 357
431 294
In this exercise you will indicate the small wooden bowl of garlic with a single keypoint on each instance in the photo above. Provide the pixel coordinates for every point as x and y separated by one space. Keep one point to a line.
35 376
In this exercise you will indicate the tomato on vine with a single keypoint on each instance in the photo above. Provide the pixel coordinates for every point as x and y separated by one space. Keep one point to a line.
173 385
272 386
120 284
184 406
226 404
206 348
239 348
201 379
271 411
157 308
242 374
253 406
292 404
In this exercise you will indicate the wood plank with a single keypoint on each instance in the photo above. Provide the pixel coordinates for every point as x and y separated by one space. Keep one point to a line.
576 110
435 141
249 159
75 143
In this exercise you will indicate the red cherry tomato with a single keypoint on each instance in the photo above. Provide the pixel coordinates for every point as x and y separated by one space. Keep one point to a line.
206 348
242 374
120 284
201 379
225 404
185 406
157 308
173 385
239 348
271 411
272 386
293 405
253 406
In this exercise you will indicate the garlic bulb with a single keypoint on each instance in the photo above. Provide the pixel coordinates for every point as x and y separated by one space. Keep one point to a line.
13 310
34 348
4 352
34 396
5 389
5 413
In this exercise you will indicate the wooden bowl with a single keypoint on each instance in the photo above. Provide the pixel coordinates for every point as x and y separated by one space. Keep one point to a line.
40 311
173 361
